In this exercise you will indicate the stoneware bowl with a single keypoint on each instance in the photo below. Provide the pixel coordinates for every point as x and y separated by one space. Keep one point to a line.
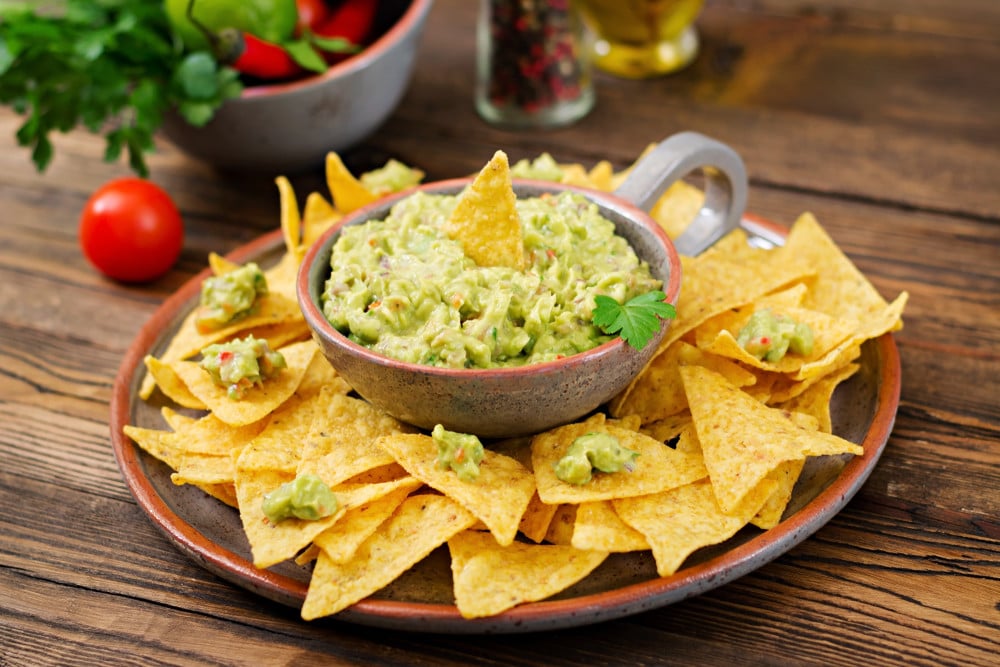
290 126
506 402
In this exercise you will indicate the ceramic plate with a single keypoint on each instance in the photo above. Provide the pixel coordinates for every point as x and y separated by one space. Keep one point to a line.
863 411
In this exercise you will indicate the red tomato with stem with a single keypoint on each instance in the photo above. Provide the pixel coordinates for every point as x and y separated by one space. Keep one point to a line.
131 230
312 14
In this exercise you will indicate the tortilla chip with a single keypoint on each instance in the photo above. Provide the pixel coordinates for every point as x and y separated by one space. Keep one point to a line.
171 384
291 221
220 265
785 476
743 440
279 446
318 216
815 399
498 497
657 467
420 525
485 219
260 400
201 469
713 285
343 439
321 376
490 578
272 543
340 541
601 175
210 436
348 192
677 207
536 519
658 392
560 529
159 444
841 290
682 520
828 333
598 527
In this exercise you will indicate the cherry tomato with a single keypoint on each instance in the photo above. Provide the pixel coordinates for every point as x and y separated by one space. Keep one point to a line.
130 230
312 14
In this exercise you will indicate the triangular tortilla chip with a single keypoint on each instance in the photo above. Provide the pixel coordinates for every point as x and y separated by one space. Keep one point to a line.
679 521
485 219
260 400
419 526
348 192
490 578
657 467
598 526
743 440
499 496
341 540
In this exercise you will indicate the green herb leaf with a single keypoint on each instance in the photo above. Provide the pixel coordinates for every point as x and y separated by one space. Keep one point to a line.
110 66
307 57
637 320
334 44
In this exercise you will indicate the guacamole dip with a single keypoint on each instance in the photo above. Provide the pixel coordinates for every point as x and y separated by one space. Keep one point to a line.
769 336
229 296
590 452
404 289
306 497
462 452
241 363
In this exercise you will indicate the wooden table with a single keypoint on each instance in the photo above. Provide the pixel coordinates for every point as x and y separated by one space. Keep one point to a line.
884 121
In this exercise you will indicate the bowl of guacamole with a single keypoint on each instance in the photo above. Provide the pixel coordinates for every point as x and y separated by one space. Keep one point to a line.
423 332
501 307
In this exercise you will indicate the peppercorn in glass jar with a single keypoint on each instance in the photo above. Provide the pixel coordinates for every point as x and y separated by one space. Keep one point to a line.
532 64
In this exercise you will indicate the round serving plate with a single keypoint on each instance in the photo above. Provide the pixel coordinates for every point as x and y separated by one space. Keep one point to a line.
863 411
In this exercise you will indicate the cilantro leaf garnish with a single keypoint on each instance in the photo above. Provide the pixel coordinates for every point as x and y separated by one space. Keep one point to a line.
637 320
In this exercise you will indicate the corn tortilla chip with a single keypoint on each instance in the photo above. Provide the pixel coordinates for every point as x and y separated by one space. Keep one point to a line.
659 393
679 521
743 440
485 219
598 527
171 384
498 497
490 578
420 525
657 467
341 540
260 400
347 191
291 221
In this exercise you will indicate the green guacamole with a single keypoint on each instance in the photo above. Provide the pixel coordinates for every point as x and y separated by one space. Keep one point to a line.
768 336
590 452
230 296
392 177
404 289
306 497
461 452
241 363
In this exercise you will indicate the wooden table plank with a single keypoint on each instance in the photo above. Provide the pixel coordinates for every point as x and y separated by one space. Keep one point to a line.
881 118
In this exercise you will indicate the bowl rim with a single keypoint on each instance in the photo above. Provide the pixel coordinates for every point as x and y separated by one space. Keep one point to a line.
411 18
320 326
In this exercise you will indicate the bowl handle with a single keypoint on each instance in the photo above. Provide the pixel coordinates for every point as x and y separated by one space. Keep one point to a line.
674 158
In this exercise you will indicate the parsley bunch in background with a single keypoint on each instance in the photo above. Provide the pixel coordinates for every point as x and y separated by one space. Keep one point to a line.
112 66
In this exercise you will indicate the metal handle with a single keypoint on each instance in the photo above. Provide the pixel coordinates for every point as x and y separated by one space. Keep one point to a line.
725 185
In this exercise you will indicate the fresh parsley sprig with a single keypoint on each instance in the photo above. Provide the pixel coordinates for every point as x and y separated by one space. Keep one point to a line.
637 320
112 66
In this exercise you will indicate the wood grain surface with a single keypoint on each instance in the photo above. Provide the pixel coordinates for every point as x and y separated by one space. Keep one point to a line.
882 118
